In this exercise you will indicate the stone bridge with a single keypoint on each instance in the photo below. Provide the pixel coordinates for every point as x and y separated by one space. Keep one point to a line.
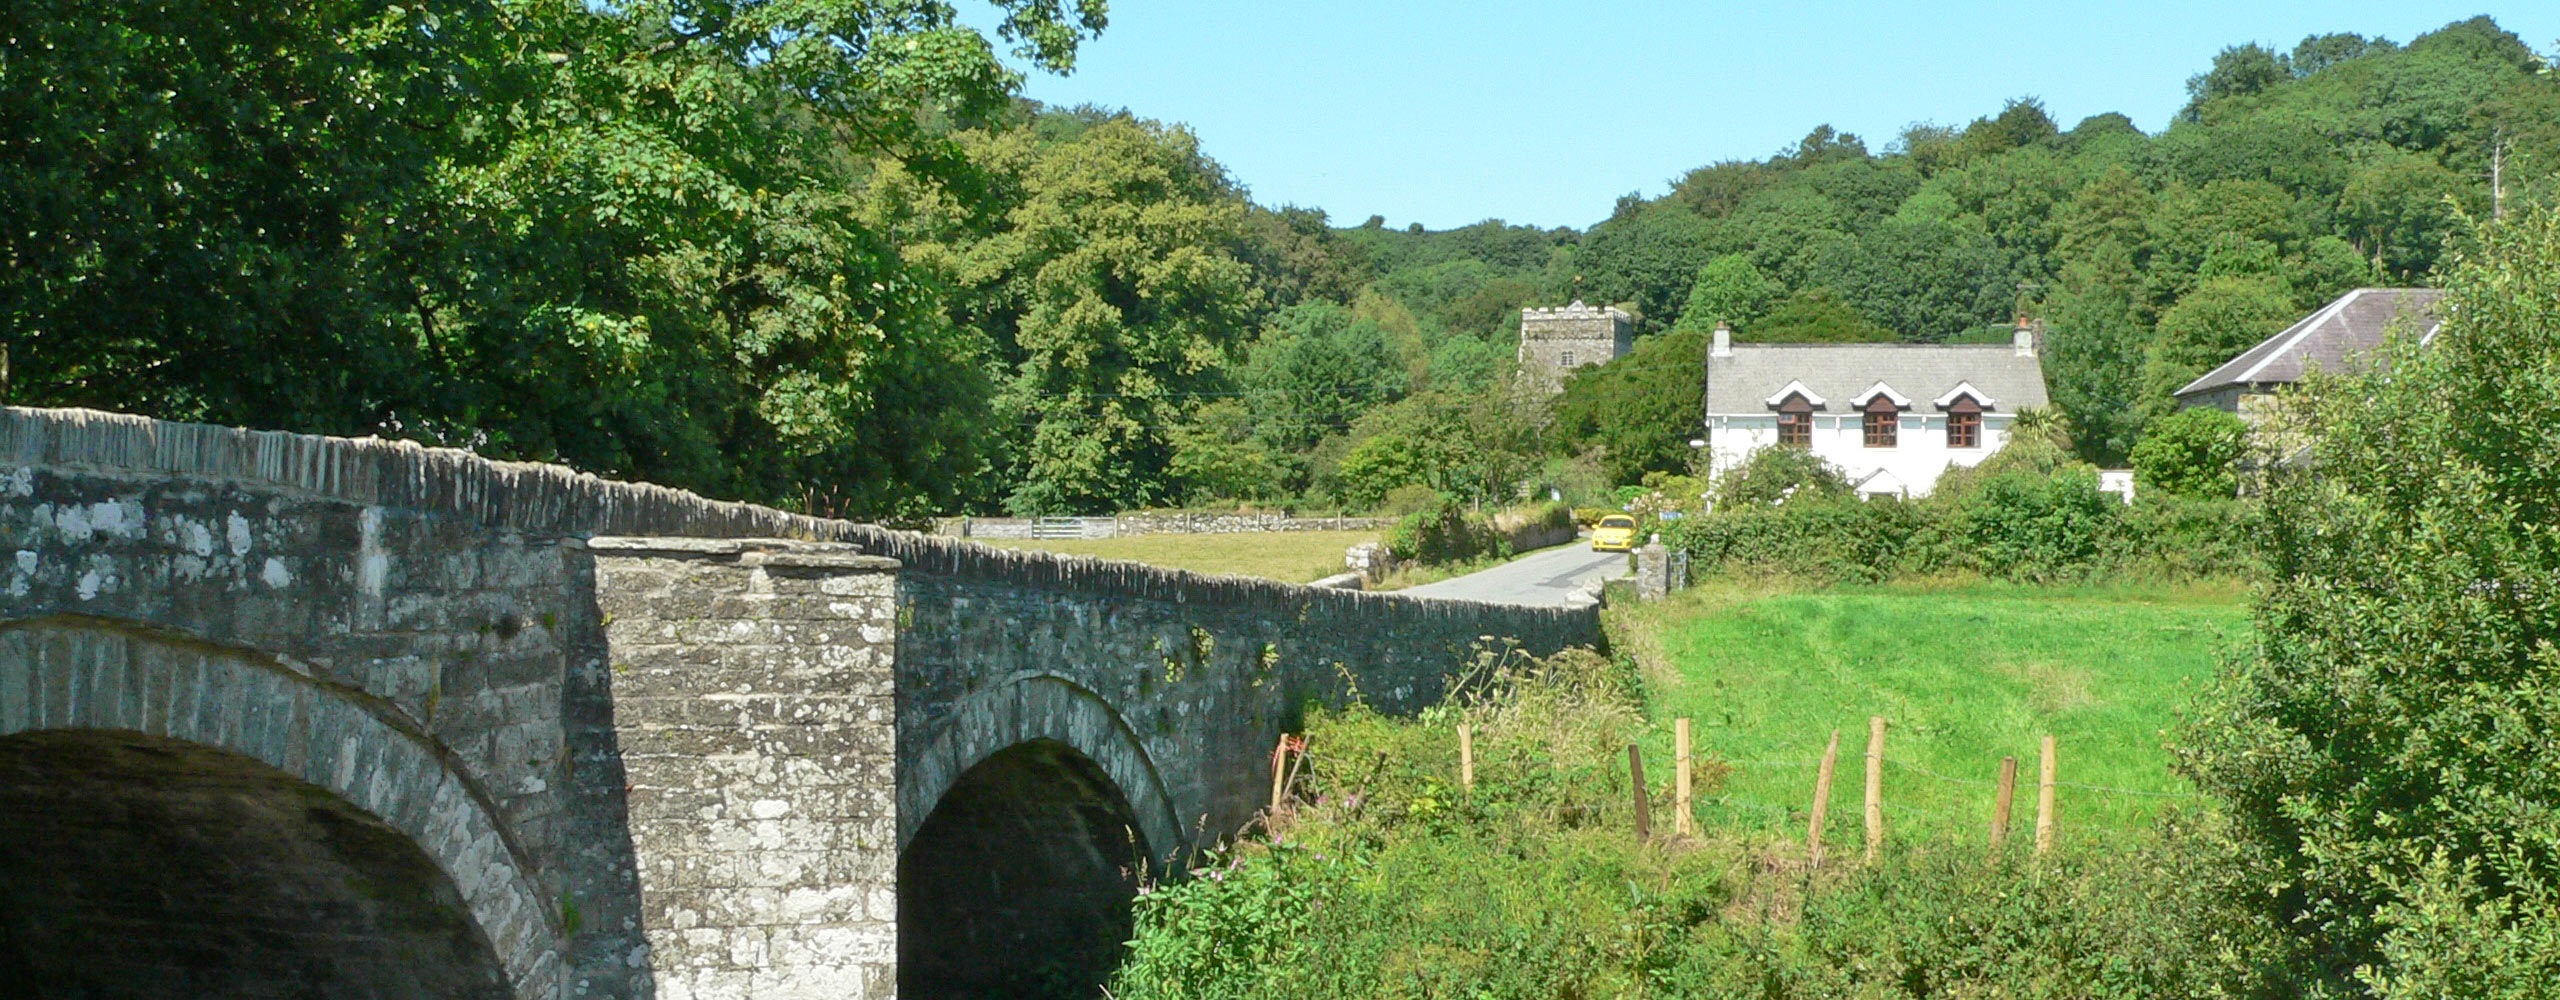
284 715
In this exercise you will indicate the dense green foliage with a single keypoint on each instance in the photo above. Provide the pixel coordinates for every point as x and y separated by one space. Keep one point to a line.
618 236
817 254
2288 180
1770 476
2012 523
2390 754
1446 532
2192 453
1637 414
1388 880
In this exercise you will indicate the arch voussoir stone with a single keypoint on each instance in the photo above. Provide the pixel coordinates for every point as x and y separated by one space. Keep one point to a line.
68 672
1042 706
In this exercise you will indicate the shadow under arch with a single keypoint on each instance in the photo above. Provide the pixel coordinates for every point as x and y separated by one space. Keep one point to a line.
1024 708
1035 815
71 685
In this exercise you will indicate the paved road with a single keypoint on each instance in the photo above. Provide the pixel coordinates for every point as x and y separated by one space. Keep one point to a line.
1544 578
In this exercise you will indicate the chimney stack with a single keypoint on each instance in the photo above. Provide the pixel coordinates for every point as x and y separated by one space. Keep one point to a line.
2026 338
1724 341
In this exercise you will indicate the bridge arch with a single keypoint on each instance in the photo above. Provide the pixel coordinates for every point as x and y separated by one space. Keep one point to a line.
1024 830
1028 707
98 707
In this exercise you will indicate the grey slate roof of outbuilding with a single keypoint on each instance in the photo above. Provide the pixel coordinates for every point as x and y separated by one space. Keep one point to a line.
2333 339
1744 382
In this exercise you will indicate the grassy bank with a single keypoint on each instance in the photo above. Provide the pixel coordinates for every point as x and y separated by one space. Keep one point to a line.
1384 879
1287 556
1964 673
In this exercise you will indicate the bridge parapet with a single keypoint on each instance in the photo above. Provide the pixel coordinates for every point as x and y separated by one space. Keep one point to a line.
707 736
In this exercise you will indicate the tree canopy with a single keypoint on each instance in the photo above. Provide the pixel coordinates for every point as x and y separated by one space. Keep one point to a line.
821 254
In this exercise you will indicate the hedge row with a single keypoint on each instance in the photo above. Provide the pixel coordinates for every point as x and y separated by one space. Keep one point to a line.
1448 532
2021 525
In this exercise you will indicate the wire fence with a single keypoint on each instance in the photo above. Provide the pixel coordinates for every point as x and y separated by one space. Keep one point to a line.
1938 804
1946 804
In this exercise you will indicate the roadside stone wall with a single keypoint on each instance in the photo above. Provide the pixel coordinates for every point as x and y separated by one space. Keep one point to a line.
1160 523
1370 561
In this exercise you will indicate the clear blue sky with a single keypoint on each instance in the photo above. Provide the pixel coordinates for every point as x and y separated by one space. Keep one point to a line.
1448 113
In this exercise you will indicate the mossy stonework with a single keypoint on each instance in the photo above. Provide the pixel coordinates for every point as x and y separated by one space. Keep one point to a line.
594 739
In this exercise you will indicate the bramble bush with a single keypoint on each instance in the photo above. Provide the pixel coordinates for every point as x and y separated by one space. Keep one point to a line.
2134 922
1445 532
2194 452
2022 526
1831 538
1771 475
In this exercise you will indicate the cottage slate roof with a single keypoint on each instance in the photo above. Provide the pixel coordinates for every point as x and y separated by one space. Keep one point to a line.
1840 373
2334 339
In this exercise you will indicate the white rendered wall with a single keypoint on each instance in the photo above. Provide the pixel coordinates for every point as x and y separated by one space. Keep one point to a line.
1919 454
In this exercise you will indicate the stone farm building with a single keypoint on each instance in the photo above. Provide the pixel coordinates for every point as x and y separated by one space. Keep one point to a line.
2335 339
1892 416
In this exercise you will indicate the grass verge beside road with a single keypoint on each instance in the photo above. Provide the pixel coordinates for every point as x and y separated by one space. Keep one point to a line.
1286 556
1964 673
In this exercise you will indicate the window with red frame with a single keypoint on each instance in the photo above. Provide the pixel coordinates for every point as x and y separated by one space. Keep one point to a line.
1795 423
1964 423
1884 421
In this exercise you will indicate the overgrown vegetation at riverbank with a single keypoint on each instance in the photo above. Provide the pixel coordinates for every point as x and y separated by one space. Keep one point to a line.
1387 879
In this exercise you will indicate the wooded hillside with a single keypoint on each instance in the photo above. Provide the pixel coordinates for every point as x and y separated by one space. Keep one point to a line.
819 255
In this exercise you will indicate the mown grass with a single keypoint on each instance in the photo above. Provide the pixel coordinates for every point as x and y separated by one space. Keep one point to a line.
1287 556
1964 673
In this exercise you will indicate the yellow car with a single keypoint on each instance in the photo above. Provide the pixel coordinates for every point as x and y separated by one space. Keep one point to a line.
1614 533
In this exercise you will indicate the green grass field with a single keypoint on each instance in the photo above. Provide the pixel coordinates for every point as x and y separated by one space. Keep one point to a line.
1287 556
1964 675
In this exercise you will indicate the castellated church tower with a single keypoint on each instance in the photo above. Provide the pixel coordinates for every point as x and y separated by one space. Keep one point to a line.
1559 340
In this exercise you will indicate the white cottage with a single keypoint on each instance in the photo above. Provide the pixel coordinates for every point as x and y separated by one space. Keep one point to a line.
1893 416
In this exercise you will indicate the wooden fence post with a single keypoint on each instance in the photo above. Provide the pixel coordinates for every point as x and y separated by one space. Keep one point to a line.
1680 822
1821 801
2044 800
2000 805
1466 757
1875 786
1279 760
1644 808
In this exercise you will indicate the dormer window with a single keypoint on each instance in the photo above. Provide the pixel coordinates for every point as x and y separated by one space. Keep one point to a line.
1883 421
1795 422
1964 423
